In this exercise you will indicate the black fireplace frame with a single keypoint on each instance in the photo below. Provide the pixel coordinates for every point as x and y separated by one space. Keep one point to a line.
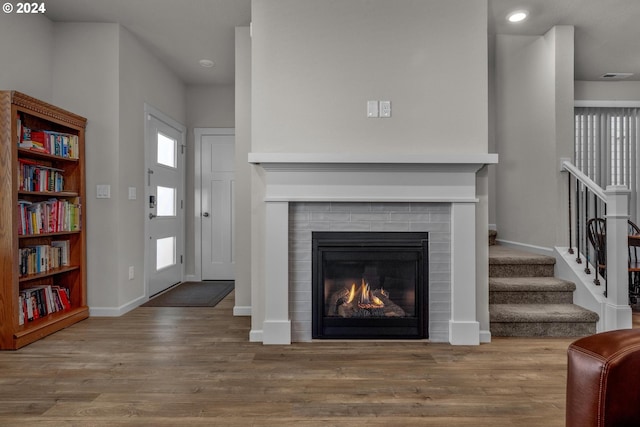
413 327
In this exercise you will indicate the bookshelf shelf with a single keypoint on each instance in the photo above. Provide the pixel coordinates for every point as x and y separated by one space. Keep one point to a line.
35 305
49 193
37 236
53 272
29 153
40 328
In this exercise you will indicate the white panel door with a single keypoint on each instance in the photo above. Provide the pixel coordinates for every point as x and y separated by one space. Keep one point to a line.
164 205
217 204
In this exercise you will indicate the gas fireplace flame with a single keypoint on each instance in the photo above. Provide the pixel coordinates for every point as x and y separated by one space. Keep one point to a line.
364 296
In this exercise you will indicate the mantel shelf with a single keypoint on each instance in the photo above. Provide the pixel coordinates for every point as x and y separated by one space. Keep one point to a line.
374 158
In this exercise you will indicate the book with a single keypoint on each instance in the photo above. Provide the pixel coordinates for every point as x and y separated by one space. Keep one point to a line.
63 247
21 308
50 216
50 142
39 301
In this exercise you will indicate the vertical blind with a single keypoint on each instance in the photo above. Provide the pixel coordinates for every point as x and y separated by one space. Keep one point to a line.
606 148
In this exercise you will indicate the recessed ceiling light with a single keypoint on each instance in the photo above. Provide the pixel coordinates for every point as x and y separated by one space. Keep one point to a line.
206 63
517 16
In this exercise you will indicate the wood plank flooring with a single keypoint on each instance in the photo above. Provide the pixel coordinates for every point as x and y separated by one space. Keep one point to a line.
195 367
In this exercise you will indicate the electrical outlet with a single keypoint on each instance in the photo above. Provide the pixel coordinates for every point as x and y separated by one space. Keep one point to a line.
131 272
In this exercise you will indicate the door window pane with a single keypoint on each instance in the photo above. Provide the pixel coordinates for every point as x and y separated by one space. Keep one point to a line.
165 252
166 201
166 150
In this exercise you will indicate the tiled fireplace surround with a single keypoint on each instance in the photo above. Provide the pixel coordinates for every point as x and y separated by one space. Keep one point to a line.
306 217
307 192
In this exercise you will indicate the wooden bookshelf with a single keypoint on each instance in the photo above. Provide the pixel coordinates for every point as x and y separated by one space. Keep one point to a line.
42 247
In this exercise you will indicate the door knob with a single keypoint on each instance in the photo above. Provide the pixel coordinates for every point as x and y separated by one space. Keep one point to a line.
151 216
205 214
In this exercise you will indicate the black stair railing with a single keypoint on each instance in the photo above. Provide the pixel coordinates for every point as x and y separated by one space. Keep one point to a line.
586 200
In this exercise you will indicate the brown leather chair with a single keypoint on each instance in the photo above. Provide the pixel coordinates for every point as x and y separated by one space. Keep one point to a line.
603 380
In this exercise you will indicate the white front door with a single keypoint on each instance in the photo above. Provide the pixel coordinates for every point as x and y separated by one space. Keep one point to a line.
217 163
164 203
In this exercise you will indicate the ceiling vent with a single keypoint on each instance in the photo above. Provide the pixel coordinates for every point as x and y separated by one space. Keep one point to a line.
616 76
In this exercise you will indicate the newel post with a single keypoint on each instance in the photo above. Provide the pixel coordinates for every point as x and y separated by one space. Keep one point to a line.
617 310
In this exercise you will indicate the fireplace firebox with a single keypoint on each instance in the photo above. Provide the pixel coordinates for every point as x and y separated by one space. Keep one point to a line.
371 285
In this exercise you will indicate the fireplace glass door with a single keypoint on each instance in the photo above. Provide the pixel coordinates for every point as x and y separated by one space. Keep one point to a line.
370 285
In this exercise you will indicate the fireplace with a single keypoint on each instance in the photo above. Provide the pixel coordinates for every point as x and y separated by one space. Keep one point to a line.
370 285
281 234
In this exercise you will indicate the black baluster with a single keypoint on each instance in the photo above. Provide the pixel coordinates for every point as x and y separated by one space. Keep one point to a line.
569 193
578 235
606 280
586 241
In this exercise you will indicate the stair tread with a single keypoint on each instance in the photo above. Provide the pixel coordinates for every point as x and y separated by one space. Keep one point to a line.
541 313
530 284
504 255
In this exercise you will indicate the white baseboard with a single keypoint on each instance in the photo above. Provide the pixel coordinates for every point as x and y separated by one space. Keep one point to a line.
242 310
485 336
117 311
540 250
255 336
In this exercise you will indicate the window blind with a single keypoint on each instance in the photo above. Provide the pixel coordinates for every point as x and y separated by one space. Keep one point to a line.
606 148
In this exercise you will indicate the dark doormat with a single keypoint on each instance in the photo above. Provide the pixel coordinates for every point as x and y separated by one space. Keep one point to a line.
192 294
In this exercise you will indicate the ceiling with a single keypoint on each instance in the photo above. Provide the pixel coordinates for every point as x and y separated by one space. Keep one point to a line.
182 32
607 32
178 32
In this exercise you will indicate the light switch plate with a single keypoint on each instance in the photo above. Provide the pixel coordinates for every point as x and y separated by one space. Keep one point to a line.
372 109
132 193
103 191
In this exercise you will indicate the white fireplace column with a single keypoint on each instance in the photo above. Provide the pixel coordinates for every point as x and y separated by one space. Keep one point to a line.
328 177
464 329
277 324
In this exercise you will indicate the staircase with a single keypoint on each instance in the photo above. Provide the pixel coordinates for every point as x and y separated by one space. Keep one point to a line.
526 300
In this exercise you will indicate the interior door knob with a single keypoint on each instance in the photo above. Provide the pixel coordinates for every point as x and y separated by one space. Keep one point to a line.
151 216
205 214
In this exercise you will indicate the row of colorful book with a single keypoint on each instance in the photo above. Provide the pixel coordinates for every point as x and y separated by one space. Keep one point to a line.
50 142
36 177
42 258
41 301
50 216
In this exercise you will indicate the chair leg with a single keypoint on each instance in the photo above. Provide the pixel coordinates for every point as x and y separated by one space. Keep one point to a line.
634 287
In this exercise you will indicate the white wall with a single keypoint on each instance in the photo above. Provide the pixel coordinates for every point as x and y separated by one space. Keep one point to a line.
85 81
607 91
534 128
26 46
142 79
243 172
210 106
315 64
102 72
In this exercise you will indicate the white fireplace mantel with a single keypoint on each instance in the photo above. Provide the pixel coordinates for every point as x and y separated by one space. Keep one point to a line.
331 177
373 158
372 177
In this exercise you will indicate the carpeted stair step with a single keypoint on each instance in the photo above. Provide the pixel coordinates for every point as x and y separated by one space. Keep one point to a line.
541 320
530 290
507 262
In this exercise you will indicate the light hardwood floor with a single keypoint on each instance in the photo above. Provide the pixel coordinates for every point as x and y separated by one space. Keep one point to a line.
194 367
